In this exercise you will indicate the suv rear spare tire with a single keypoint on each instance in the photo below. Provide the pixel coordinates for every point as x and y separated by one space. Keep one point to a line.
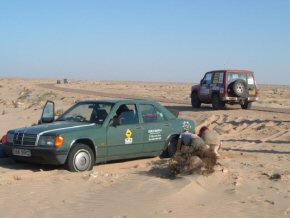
239 88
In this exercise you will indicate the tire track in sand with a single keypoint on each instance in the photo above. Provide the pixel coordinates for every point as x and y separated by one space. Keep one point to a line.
117 95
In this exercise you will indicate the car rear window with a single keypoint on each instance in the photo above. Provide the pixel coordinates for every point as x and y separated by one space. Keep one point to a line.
234 76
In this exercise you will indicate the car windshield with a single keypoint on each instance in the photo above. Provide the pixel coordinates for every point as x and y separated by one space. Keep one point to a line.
96 112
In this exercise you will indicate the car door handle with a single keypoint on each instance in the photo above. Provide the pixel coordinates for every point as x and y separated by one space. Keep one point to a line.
138 127
166 124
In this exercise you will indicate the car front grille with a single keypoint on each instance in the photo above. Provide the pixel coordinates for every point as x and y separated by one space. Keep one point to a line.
23 139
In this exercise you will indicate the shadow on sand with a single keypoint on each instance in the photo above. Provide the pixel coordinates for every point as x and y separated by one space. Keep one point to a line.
9 163
160 169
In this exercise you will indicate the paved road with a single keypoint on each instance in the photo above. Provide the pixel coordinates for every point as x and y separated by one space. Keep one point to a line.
116 95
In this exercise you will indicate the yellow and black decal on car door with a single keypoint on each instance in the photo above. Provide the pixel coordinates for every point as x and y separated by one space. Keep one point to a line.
129 137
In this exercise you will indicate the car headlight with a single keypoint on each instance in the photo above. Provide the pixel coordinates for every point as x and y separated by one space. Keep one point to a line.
46 140
57 141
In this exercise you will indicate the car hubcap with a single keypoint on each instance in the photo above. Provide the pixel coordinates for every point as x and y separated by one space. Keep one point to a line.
240 88
82 160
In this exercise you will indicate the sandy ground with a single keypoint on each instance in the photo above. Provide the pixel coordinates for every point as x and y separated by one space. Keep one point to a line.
252 178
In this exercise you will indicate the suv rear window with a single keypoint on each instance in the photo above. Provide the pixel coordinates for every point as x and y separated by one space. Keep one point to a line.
234 76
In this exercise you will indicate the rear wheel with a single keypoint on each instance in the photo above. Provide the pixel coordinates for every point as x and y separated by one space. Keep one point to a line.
217 103
171 147
246 105
195 102
81 158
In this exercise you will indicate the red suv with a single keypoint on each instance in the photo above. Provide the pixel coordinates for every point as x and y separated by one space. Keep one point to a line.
220 87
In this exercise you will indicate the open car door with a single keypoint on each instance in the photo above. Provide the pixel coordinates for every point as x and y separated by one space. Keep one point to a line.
47 113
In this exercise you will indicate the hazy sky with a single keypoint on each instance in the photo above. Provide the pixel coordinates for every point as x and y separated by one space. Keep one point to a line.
151 40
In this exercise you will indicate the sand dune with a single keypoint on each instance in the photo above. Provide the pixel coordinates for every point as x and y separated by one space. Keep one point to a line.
252 178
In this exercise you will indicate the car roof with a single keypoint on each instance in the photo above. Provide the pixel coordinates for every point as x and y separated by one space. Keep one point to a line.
114 101
168 113
233 71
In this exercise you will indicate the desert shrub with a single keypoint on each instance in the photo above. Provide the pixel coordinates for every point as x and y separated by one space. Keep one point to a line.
14 104
48 95
209 160
25 93
59 112
185 163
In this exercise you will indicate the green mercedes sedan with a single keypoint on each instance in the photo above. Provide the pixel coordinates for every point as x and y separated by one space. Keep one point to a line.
97 131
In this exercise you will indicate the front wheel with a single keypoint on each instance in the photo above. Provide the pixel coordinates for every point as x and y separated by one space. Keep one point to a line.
195 102
80 158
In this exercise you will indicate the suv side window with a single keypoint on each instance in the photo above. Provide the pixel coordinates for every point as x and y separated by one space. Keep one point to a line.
151 114
251 80
127 114
218 78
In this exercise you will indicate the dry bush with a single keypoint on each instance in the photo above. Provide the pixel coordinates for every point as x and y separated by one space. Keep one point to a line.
2 101
75 101
24 94
186 163
17 178
209 160
47 96
59 112
275 91
14 104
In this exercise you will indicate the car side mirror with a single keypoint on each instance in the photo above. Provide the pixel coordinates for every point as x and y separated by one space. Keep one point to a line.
48 114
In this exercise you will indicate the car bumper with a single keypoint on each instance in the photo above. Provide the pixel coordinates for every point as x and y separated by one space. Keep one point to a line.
39 155
237 99
2 152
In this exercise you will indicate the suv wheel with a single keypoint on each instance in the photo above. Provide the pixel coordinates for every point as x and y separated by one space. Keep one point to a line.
217 103
246 105
195 102
80 158
239 88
